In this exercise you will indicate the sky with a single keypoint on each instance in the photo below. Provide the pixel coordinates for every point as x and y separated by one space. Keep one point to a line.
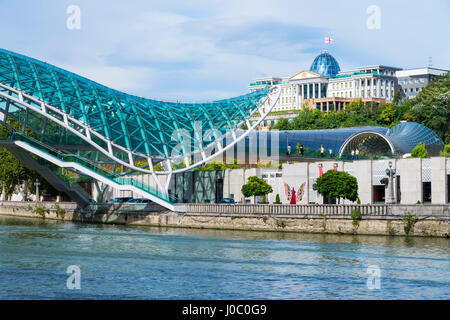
207 49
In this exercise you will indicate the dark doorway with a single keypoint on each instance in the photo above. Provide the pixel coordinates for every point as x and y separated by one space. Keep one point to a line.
379 194
448 188
426 192
219 190
399 194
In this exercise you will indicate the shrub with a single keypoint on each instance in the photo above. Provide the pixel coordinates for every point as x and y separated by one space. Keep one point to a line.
409 220
60 213
419 151
446 152
324 221
389 227
277 199
356 217
40 210
281 224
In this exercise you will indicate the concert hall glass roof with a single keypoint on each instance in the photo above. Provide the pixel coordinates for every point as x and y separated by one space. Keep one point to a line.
371 140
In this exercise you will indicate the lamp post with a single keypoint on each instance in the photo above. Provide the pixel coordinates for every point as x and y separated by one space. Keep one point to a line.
37 184
391 173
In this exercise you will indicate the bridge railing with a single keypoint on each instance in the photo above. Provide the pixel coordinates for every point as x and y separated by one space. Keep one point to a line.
282 209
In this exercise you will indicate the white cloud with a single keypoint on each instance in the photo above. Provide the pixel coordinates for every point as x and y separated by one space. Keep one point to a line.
207 50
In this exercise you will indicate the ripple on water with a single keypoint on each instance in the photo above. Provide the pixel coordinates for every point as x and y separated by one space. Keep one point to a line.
149 263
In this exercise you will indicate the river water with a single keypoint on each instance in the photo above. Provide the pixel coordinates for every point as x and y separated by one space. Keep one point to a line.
120 262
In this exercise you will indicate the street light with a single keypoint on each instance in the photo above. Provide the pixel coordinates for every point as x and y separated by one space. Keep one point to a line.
37 184
391 173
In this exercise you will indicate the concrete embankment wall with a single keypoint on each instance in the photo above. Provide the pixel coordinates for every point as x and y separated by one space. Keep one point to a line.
432 220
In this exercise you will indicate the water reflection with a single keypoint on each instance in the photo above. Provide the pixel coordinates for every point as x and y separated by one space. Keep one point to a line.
161 263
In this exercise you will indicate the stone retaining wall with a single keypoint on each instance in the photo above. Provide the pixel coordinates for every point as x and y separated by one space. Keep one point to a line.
436 223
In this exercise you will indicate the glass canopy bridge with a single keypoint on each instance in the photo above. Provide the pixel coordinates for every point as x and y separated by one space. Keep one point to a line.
78 124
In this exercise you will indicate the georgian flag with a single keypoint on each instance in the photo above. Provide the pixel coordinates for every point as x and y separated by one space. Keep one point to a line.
328 40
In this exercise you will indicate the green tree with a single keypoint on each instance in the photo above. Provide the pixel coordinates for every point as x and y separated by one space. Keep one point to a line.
282 124
256 187
388 114
431 107
419 151
13 172
338 184
397 97
446 152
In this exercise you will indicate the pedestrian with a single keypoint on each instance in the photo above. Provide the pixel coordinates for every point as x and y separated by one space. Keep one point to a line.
353 154
357 153
302 149
322 151
289 149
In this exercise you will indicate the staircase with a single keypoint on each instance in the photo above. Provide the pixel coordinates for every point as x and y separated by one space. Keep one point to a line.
23 143
74 191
